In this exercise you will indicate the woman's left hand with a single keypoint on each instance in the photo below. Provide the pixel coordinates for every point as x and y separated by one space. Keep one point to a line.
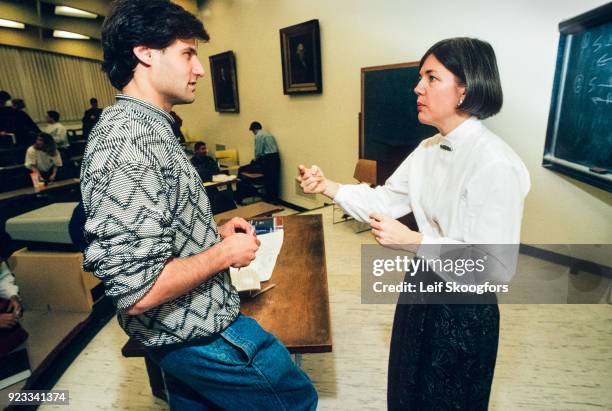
393 234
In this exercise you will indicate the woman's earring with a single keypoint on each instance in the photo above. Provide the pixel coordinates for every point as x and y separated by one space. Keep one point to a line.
460 103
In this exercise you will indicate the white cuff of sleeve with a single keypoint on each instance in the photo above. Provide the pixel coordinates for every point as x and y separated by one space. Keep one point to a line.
339 195
429 249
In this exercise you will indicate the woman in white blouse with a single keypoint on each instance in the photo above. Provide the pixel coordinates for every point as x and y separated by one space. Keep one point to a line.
464 185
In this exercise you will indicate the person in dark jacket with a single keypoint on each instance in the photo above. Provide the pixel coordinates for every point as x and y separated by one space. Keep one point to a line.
91 116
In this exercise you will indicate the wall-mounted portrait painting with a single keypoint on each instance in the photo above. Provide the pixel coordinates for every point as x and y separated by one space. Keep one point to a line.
301 58
225 82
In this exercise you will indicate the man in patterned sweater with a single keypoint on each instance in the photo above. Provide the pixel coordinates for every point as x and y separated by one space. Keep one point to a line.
151 235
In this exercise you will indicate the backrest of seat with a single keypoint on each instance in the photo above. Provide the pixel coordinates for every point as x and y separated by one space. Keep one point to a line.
227 157
365 171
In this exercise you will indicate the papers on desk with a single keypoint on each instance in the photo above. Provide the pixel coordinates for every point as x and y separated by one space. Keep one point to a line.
222 178
260 269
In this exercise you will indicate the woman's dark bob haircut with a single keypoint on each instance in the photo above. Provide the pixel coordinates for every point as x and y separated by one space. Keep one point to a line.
151 23
473 62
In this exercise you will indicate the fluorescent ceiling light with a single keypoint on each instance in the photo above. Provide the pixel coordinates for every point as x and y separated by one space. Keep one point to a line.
72 12
69 35
11 24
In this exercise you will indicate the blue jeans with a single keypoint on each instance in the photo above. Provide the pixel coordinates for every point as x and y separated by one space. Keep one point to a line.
243 368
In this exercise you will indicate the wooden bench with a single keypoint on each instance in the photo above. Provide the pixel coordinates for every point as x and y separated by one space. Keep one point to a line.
133 348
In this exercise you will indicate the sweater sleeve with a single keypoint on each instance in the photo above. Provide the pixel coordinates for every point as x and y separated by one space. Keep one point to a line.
128 230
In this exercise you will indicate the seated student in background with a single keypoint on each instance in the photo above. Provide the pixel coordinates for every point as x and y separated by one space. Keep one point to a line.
43 159
91 116
56 129
267 162
11 333
205 165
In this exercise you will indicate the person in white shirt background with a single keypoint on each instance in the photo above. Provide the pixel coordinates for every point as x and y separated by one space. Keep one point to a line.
43 159
464 185
57 130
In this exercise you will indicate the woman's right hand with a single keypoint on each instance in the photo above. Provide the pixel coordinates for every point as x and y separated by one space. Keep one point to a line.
312 179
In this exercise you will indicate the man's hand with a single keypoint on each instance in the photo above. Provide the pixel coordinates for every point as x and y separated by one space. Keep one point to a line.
15 306
233 226
7 320
393 234
240 249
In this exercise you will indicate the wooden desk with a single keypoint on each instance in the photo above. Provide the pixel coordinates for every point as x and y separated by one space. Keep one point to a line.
296 311
259 209
210 184
252 176
23 192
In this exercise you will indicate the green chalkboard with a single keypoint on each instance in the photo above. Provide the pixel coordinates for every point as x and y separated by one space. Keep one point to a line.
390 129
579 135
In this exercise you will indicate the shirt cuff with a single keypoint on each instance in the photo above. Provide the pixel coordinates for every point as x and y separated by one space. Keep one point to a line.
339 197
429 249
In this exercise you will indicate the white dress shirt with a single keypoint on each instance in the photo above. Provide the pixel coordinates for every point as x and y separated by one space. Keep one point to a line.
472 194
59 133
43 161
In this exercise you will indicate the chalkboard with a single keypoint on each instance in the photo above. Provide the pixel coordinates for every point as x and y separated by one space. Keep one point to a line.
389 128
579 135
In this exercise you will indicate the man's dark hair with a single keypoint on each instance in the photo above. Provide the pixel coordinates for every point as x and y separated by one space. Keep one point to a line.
54 115
49 143
4 96
473 62
93 101
197 145
255 125
151 23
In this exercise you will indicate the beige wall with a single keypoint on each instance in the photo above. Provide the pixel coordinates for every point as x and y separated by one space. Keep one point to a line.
323 129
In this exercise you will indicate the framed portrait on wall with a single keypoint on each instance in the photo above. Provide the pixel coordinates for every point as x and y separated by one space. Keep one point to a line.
224 82
301 58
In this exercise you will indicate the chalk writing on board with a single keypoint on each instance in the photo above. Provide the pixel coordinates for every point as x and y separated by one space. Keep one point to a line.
607 100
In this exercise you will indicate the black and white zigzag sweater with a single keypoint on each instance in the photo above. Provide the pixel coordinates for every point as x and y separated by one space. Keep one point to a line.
145 204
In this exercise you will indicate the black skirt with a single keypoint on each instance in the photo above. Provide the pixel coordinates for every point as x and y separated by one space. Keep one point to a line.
443 356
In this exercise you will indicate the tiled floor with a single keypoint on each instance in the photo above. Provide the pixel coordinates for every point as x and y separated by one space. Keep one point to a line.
551 357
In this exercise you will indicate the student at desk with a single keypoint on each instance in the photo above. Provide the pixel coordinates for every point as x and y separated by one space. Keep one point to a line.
464 185
205 165
267 162
43 159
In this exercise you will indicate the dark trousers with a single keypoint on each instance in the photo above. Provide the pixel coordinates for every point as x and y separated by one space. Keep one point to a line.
443 356
269 166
